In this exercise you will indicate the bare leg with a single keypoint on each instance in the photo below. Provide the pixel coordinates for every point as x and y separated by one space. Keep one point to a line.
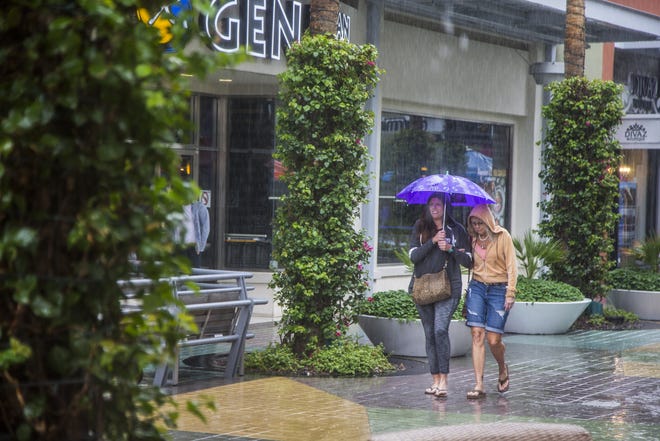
497 348
440 381
478 356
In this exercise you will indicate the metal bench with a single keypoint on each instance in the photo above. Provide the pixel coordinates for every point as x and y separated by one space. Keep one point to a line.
221 309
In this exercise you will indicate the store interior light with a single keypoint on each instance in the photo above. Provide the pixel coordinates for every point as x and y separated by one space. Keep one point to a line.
225 80
624 170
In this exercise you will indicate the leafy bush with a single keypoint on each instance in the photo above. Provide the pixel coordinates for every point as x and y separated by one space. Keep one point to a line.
611 319
635 279
538 290
402 255
90 104
612 313
396 304
648 252
534 254
344 358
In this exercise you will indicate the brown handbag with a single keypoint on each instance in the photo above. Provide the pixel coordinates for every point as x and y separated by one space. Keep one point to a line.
431 288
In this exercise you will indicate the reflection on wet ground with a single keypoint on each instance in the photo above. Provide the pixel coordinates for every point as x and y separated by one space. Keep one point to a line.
605 381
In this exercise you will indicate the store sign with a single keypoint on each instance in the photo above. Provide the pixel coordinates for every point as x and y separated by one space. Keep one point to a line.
266 27
639 132
163 19
641 95
205 198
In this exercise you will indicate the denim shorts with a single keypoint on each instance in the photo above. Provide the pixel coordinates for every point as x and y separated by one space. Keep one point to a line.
485 306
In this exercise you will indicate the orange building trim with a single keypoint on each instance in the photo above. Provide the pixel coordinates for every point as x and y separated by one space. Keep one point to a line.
650 6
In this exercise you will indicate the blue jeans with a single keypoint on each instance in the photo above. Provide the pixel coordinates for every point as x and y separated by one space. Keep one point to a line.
485 306
435 321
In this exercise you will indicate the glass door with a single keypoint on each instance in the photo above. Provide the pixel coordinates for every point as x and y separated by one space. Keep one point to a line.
249 206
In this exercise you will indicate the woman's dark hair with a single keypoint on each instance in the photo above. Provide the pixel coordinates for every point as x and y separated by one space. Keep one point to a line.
427 227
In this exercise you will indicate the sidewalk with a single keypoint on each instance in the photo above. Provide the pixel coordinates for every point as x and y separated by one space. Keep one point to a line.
605 381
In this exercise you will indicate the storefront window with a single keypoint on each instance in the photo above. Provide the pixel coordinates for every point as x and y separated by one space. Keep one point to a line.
413 146
637 201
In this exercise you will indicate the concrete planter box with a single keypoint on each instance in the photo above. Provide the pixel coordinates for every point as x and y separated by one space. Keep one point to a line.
407 338
544 317
646 304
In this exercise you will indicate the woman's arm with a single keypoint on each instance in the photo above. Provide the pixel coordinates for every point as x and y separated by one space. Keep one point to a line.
419 251
462 250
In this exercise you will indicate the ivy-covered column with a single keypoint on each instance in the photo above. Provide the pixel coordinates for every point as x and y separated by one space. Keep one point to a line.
580 171
321 125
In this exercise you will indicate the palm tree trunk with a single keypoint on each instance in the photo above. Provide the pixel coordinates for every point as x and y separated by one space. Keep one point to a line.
575 40
323 16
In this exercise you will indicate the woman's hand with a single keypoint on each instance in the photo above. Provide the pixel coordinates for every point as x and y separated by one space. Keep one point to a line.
508 303
439 237
442 241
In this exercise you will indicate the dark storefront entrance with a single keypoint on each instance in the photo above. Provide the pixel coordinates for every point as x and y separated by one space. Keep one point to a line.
230 157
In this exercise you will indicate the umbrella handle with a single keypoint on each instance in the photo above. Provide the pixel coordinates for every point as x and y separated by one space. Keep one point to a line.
444 212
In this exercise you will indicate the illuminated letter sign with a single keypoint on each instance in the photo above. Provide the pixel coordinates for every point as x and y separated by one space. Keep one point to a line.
344 27
282 27
256 28
164 19
222 28
248 22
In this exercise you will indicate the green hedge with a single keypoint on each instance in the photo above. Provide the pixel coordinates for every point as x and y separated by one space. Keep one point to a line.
628 278
396 304
539 290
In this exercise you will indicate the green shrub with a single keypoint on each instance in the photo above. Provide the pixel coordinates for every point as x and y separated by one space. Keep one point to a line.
534 254
538 290
635 279
611 319
397 304
402 255
648 252
610 313
91 103
275 360
342 358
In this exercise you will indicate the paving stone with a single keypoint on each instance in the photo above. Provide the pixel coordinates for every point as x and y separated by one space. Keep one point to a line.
605 381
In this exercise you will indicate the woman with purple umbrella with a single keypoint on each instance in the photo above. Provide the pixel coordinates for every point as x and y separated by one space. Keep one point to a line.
438 240
491 294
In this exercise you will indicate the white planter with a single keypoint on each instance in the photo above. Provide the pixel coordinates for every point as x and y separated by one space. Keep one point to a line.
646 304
544 317
407 338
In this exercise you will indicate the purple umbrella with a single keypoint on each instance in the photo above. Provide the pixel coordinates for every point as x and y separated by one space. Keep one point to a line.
461 190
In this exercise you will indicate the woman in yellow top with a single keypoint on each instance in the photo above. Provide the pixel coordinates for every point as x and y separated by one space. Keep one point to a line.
491 294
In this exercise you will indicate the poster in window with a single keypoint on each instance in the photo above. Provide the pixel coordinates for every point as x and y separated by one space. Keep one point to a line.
499 194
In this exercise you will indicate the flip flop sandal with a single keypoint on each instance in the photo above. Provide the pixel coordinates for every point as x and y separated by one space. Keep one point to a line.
476 394
431 390
503 385
440 393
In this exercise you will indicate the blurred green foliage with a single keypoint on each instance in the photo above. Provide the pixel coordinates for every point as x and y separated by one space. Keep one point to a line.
90 104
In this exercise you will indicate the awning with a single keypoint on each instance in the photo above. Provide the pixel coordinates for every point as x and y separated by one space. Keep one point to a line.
530 20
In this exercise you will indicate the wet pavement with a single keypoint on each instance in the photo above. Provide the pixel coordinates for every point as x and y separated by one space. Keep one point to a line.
607 382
